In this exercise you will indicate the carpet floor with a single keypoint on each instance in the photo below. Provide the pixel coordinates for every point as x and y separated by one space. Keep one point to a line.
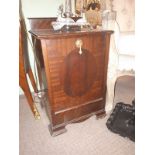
90 137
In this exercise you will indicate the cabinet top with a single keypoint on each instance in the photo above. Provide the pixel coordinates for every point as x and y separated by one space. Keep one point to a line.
49 33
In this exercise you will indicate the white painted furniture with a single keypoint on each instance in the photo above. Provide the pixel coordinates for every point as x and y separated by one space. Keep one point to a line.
121 61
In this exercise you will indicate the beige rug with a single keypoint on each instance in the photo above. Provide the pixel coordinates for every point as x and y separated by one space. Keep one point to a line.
90 137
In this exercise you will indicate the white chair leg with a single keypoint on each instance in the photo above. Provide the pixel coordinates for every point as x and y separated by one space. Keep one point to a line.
111 80
110 94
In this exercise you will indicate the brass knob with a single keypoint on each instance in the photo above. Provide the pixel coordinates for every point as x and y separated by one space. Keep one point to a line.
79 44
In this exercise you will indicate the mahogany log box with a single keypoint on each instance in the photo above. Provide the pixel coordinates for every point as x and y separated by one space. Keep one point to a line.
76 72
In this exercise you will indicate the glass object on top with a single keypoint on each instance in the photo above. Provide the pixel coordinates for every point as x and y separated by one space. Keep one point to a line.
64 18
108 19
68 9
109 22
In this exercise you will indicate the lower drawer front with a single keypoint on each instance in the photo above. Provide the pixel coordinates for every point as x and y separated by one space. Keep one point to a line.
78 113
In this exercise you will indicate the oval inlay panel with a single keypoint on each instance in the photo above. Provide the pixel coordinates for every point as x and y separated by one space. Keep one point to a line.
79 72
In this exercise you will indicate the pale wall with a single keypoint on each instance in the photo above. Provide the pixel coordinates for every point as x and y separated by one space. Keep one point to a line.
40 8
125 13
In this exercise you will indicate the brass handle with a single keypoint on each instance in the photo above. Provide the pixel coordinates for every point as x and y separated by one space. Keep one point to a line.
79 44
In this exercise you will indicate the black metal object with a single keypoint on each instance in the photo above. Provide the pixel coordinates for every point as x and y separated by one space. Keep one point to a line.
122 120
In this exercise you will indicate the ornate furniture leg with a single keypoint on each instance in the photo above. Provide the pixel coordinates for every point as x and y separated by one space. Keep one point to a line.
100 115
57 131
24 68
24 85
110 94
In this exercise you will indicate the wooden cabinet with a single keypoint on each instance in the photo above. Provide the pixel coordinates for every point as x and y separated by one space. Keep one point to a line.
76 77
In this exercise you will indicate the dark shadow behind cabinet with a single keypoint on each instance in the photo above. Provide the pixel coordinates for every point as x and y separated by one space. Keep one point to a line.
76 81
